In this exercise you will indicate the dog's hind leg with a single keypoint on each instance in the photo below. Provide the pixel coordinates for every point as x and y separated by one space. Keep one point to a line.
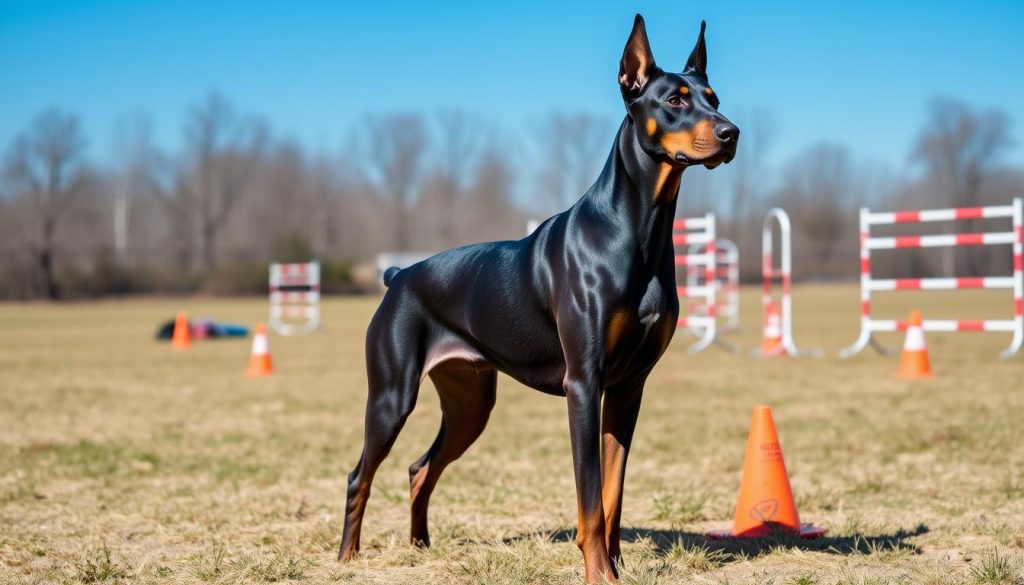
467 391
394 364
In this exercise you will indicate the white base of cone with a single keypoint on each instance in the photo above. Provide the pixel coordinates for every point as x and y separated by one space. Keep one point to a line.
806 531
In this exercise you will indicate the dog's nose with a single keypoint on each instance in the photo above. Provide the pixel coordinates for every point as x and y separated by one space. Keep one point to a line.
727 132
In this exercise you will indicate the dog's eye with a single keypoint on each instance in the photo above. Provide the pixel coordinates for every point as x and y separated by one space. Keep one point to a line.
675 101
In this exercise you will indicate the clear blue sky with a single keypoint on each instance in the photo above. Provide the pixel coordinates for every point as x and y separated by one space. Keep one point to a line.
858 73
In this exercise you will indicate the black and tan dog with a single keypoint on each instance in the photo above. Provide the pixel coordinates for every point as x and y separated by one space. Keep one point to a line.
582 308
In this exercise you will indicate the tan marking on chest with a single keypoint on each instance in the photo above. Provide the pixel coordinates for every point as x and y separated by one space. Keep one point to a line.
668 327
666 187
616 327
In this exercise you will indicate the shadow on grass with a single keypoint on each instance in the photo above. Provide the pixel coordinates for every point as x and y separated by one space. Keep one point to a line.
735 549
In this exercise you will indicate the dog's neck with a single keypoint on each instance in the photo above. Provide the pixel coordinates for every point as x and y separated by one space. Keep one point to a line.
639 192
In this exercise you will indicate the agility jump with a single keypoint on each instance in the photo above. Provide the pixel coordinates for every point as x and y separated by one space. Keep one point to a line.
1015 237
295 297
698 233
786 345
727 280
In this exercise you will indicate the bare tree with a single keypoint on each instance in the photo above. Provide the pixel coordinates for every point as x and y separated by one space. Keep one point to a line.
572 148
394 148
136 155
748 175
459 139
819 190
223 147
488 212
960 149
45 163
323 182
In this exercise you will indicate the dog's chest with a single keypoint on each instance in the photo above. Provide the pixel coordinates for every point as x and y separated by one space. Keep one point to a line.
654 304
651 323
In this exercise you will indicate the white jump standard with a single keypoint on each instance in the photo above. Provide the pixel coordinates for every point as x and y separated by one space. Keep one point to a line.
784 275
295 297
1014 211
699 232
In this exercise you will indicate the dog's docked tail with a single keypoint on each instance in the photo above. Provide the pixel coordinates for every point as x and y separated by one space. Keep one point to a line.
389 274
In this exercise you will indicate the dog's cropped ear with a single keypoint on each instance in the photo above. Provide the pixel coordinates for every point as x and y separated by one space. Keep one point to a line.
637 61
698 62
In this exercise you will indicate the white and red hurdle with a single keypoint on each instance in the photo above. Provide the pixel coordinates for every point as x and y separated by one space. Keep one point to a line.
727 279
295 297
700 318
784 275
868 284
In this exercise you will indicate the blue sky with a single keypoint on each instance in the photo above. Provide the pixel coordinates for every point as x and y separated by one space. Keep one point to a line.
856 73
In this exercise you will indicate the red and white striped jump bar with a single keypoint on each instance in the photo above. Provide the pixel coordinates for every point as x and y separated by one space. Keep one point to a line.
691 223
295 311
946 325
700 260
701 322
687 239
941 283
694 291
982 239
891 217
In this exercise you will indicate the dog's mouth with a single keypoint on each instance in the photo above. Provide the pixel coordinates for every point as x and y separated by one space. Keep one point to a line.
709 157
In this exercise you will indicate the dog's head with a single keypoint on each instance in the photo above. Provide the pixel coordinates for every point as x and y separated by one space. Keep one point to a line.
675 114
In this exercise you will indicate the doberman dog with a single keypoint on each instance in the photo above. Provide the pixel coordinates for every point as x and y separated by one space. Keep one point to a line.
583 308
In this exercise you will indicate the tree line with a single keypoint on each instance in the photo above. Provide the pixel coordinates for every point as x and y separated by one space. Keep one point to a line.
209 216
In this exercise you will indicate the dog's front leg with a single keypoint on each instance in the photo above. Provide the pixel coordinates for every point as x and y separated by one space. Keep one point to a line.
583 394
621 406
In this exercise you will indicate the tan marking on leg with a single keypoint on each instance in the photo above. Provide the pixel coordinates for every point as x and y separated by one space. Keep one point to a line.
612 463
417 481
591 541
579 525
616 327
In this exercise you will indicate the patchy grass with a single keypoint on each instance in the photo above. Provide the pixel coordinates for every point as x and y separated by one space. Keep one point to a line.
121 461
97 566
995 568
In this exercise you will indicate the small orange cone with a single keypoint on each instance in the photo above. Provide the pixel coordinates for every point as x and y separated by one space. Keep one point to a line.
771 341
259 358
182 337
765 503
914 363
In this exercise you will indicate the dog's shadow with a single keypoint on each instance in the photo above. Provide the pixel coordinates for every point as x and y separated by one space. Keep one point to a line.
734 549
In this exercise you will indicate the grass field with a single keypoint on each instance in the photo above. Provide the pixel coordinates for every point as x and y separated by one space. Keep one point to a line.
121 461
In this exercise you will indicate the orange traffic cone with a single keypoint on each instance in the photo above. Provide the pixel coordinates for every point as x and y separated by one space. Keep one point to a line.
182 337
766 501
771 341
259 358
914 363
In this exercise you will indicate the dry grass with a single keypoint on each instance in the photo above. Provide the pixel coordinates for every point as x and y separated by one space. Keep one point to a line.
121 461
